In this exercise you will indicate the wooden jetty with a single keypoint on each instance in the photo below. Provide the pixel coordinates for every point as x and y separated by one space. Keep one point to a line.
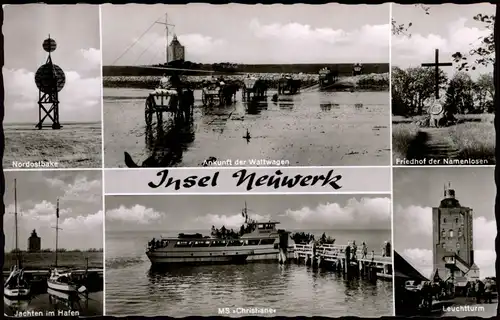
334 257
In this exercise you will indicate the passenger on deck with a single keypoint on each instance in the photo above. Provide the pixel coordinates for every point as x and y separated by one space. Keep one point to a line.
373 255
354 250
384 248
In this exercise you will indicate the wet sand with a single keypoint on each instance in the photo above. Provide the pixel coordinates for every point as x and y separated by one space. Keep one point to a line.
309 129
74 146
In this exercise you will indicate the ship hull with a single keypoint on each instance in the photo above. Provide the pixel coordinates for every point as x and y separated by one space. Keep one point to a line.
62 287
16 293
236 255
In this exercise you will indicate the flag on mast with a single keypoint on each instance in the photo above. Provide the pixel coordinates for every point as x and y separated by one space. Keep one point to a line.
57 209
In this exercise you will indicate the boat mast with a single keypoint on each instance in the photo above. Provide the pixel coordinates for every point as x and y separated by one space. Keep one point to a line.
15 221
57 229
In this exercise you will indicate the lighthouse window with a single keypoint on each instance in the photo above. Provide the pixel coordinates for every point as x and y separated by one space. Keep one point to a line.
443 234
451 233
444 220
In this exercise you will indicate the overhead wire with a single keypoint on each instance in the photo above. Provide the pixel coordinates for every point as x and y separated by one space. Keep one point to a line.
135 42
146 49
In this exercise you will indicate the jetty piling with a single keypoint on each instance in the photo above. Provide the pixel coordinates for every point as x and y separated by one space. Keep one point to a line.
341 259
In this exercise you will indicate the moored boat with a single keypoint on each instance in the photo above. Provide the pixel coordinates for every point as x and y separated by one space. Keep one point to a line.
16 286
61 281
256 241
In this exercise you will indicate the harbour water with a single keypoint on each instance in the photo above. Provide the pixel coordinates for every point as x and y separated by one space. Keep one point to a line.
55 304
292 290
311 128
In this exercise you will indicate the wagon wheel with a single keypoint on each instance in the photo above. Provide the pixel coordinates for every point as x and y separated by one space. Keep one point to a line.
149 110
203 98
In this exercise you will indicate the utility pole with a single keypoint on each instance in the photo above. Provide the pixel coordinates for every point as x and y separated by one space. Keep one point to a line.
166 24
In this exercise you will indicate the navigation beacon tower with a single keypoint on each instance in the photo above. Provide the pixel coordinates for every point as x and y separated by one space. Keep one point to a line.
453 253
50 80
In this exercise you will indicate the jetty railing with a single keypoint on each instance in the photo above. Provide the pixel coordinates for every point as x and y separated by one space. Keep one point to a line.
335 255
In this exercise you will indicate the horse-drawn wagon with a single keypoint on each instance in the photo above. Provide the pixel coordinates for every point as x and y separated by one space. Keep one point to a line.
288 85
218 91
178 102
254 88
327 78
357 69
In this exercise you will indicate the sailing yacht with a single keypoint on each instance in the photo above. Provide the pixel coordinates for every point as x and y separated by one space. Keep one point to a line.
60 281
16 287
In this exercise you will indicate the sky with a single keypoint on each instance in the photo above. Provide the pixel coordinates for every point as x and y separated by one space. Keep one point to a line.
75 28
200 212
417 190
80 208
329 33
448 27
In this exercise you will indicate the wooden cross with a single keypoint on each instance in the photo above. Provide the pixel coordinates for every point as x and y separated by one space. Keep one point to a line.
436 64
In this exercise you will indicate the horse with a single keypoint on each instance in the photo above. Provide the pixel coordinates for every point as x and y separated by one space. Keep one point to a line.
228 93
289 85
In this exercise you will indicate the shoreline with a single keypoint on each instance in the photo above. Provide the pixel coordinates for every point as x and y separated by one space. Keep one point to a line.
365 82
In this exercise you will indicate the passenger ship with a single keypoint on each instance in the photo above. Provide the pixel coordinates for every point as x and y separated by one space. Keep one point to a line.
260 243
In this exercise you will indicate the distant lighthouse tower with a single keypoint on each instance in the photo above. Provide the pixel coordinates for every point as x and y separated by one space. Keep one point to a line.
175 51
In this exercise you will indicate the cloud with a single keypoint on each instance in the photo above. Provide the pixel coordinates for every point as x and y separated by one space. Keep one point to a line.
78 231
55 182
413 220
83 189
367 213
92 56
419 48
136 214
272 43
151 48
229 221
81 224
421 259
296 42
413 237
80 99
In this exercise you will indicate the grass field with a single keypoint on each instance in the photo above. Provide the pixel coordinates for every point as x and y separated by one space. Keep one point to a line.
74 146
44 260
474 136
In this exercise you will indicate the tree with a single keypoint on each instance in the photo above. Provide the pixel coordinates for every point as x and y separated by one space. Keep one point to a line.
412 88
460 94
484 90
